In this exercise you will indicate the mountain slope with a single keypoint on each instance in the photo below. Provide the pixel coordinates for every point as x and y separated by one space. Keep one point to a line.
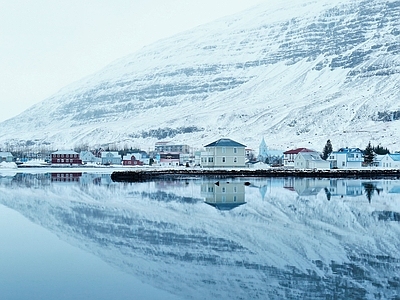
296 74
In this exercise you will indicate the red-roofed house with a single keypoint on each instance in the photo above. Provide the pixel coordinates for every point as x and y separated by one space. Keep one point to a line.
288 156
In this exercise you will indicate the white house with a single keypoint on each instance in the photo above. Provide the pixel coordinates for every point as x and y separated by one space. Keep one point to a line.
6 157
168 159
223 153
289 156
89 157
310 160
347 158
391 161
110 158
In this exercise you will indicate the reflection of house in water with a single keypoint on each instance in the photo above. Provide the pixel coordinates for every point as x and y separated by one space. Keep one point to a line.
346 187
223 195
30 180
66 177
390 186
97 179
332 187
305 186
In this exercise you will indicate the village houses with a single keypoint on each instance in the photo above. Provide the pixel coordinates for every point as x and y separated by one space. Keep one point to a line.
390 161
223 153
310 160
289 156
346 158
110 158
6 157
65 157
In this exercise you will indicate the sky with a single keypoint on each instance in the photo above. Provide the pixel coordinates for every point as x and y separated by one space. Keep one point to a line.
46 44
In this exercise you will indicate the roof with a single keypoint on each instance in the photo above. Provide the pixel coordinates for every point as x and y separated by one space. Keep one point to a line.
162 143
3 154
296 151
109 153
395 157
348 150
225 143
65 152
311 155
130 155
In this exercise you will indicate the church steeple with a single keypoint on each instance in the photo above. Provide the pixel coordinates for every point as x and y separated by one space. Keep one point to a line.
263 150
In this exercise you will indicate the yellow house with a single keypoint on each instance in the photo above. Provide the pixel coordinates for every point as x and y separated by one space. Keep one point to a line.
223 153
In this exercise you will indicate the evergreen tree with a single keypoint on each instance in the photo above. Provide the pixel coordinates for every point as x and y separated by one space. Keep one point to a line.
380 150
369 155
327 150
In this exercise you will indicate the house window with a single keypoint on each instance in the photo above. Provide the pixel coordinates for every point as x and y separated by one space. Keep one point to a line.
224 190
223 150
343 163
234 189
210 159
223 159
234 150
234 159
234 198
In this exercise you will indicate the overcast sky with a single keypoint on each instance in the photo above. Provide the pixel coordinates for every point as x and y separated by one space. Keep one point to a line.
48 44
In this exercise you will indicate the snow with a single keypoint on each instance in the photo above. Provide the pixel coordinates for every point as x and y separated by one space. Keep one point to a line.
8 165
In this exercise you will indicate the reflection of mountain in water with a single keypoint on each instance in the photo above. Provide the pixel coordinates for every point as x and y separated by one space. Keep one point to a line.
224 195
280 247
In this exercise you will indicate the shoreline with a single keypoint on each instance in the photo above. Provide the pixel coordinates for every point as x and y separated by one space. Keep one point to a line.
147 175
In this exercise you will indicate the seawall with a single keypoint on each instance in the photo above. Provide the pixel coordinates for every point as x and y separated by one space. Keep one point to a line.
145 175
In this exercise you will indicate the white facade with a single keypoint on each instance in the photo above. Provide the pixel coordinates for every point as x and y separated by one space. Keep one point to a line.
347 158
310 160
110 158
87 156
390 161
290 155
6 157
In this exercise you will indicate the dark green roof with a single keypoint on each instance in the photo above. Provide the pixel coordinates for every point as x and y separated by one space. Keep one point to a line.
225 143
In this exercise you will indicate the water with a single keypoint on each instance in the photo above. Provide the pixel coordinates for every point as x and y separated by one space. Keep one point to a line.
83 236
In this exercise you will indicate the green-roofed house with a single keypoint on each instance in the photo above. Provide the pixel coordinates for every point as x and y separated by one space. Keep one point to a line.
223 153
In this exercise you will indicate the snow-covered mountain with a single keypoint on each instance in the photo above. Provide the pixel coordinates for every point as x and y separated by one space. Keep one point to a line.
296 72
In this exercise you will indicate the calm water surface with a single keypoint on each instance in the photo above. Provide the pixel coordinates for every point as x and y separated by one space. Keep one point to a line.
83 236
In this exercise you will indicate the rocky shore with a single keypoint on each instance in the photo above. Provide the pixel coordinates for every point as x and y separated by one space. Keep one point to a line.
146 175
